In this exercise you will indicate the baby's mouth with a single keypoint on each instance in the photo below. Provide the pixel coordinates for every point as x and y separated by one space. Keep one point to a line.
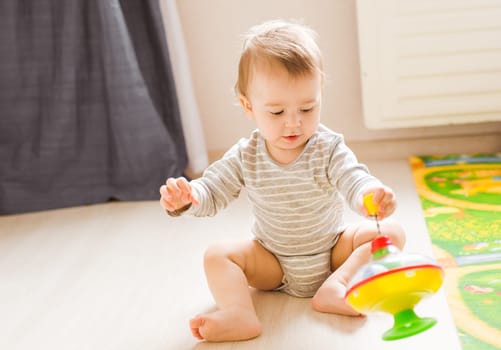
291 138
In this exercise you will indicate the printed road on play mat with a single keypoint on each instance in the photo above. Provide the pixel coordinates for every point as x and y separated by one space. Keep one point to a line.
461 201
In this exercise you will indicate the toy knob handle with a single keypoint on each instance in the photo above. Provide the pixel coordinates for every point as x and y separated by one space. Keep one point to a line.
369 204
380 243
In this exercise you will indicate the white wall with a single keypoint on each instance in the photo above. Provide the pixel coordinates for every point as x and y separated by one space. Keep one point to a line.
212 31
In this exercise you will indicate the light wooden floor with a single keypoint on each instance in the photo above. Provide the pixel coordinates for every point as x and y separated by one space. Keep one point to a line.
127 276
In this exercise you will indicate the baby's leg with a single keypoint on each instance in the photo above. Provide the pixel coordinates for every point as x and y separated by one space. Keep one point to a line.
230 269
350 252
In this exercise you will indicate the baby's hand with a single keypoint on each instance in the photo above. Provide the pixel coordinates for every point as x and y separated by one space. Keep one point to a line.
176 193
384 198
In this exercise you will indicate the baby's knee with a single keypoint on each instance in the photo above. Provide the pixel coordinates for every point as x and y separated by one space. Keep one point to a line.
220 252
215 252
395 232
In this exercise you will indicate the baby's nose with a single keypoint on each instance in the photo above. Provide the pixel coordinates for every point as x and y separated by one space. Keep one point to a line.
293 120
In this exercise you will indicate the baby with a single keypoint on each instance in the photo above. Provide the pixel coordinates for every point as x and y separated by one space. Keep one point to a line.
297 174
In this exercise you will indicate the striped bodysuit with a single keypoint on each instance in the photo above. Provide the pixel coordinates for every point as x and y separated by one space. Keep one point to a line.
297 207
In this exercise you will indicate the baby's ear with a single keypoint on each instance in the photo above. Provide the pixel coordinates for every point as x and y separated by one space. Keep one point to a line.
244 102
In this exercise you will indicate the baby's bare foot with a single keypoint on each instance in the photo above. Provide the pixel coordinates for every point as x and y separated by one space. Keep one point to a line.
342 308
226 325
330 299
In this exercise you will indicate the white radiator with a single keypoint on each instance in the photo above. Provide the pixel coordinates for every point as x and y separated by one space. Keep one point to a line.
429 62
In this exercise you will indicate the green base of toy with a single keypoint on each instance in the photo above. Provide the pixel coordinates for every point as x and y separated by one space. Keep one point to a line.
406 324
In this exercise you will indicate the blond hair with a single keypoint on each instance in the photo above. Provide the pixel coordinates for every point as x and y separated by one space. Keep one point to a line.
290 44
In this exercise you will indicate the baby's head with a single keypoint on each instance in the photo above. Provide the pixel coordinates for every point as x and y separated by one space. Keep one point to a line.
288 44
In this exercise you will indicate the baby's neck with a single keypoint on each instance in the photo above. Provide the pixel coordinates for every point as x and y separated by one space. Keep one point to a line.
284 157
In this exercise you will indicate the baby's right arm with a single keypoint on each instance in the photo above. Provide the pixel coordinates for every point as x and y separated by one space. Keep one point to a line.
176 194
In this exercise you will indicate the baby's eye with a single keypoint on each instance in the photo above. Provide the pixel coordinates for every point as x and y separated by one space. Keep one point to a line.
277 113
306 110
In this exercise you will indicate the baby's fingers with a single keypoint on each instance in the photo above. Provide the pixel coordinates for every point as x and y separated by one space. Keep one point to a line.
166 199
379 195
386 202
187 191
174 193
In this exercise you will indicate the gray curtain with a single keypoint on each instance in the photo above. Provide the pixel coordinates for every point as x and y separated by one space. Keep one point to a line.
88 109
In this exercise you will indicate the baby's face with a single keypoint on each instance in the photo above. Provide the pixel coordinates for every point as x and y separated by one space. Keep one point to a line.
286 109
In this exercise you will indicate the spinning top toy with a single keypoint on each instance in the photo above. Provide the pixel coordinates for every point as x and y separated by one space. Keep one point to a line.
394 282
